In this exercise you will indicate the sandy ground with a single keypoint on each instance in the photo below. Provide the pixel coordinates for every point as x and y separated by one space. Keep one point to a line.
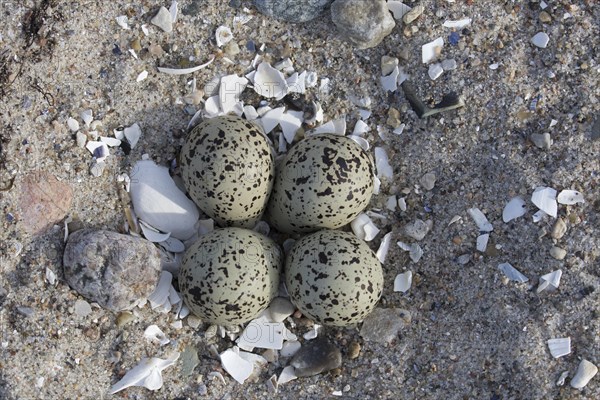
473 334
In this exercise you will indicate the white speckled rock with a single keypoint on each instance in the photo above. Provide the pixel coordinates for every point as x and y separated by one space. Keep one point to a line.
228 168
230 275
364 23
111 269
158 201
333 278
324 181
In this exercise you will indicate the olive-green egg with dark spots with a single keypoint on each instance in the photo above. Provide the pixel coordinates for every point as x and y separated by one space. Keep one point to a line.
323 182
333 277
228 170
230 275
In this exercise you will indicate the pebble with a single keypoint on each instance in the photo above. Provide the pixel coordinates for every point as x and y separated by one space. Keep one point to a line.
280 308
449 64
413 14
162 19
558 253
363 23
315 357
25 311
354 350
44 201
435 71
124 318
388 64
393 119
545 17
540 40
418 229
295 11
559 229
81 139
541 140
111 269
384 324
193 321
428 181
82 308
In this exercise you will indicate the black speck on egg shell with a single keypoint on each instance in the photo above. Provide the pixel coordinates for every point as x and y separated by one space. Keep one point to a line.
228 170
323 182
230 275
333 277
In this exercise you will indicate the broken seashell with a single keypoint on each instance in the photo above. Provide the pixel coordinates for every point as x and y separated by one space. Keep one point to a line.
87 116
98 149
384 169
403 282
360 128
262 333
559 347
336 127
132 134
223 35
585 372
290 122
290 348
384 247
430 51
271 119
480 220
122 21
362 142
482 242
390 82
461 23
570 197
147 374
183 71
514 209
230 89
551 280
398 9
141 76
269 82
239 368
288 374
154 334
158 201
161 293
364 228
544 198
152 234
512 273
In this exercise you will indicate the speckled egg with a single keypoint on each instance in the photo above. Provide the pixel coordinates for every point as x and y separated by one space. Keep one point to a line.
230 275
333 277
324 181
228 170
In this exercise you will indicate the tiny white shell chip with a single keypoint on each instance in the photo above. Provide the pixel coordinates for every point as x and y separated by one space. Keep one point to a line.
482 242
384 247
570 197
50 276
461 23
288 374
364 228
87 116
73 124
154 334
430 51
480 220
390 82
360 128
416 252
514 209
403 282
384 169
147 374
183 71
141 76
538 216
585 372
122 21
511 273
559 347
551 280
540 40
110 141
544 198
132 134
362 142
336 127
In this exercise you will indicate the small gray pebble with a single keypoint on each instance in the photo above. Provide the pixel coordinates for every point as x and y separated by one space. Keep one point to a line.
111 269
292 10
558 253
315 357
418 229
384 324
559 229
449 64
413 14
596 129
364 23
541 140
464 259
25 311
82 308
428 181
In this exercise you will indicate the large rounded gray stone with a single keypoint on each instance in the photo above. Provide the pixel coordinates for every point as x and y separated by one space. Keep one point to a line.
111 269
292 10
364 23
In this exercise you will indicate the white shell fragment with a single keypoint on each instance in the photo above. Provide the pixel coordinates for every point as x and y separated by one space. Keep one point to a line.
538 216
585 372
110 141
364 228
360 128
435 71
480 220
155 335
337 127
159 202
73 124
290 122
544 198
459 24
236 366
398 9
515 208
184 71
390 82
269 82
141 76
161 294
384 247
230 89
153 234
288 374
271 119
540 40
223 35
122 21
403 282
132 134
570 197
432 50
551 280
482 242
264 334
98 149
384 169
559 347
362 142
511 273
87 116
173 11
147 374
50 276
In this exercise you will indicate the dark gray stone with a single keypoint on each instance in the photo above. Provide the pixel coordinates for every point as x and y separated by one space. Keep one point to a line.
111 269
364 23
292 10
315 357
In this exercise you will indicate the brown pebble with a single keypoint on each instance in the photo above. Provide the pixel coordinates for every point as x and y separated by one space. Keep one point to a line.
393 119
457 240
124 318
155 50
92 333
559 229
135 44
545 17
354 350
